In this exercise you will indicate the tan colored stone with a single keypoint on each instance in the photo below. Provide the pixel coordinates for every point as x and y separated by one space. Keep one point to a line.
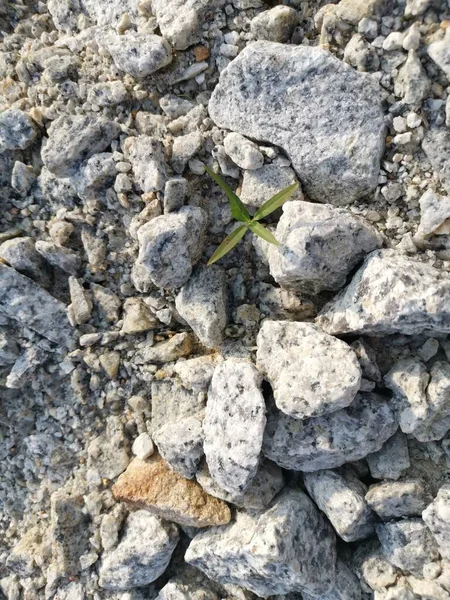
150 484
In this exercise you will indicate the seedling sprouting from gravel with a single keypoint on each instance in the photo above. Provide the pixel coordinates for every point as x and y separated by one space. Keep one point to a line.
241 214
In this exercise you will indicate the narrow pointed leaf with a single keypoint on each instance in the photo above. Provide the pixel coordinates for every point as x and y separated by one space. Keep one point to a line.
228 243
275 202
238 209
263 233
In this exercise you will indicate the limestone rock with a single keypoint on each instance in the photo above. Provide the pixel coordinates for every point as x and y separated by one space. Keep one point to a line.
342 500
392 460
319 246
390 294
138 54
17 130
332 440
324 115
395 499
311 372
170 245
142 554
261 184
152 485
81 306
234 425
274 25
243 152
288 547
437 517
184 148
202 303
196 373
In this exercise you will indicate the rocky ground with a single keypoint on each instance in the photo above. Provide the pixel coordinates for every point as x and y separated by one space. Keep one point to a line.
276 425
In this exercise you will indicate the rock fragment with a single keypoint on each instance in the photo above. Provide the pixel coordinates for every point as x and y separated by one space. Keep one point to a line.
274 25
170 350
152 485
184 148
434 215
395 499
21 254
436 145
261 184
437 517
59 257
137 317
392 460
17 130
243 152
81 303
412 83
108 453
439 51
138 54
146 155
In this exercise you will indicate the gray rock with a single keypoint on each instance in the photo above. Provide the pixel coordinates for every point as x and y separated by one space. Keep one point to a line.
180 20
372 567
260 185
342 500
295 97
434 215
274 25
81 301
202 303
184 148
390 293
22 178
60 257
437 517
96 174
138 54
107 303
311 372
24 301
108 453
57 192
436 145
174 194
392 460
367 359
234 425
196 373
75 138
146 155
107 93
330 441
17 130
25 366
408 544
267 482
21 254
243 152
347 586
319 246
142 554
412 83
289 547
170 245
395 499
439 51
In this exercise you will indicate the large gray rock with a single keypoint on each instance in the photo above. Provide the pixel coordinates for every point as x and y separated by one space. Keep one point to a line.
325 116
289 547
170 245
390 293
142 554
75 138
319 246
202 303
437 517
330 441
138 54
24 301
234 425
342 500
17 130
311 372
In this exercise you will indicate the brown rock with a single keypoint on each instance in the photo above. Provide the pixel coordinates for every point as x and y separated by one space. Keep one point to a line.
201 53
150 484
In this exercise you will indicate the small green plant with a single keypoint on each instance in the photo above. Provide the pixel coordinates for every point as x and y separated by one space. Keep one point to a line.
241 214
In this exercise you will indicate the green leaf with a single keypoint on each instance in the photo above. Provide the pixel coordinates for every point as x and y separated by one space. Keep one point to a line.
263 233
238 209
275 202
228 243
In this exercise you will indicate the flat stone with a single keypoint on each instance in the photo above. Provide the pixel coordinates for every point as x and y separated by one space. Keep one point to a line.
332 440
202 303
319 246
288 547
390 293
311 372
75 138
392 460
170 245
150 484
21 254
17 130
437 517
24 301
260 185
234 425
295 97
342 500
267 482
142 555
138 54
395 499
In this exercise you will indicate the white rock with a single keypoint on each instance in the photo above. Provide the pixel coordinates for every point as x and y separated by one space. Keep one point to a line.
184 148
260 185
17 130
392 460
138 54
411 41
439 51
196 373
437 517
412 83
108 93
234 425
137 316
143 446
396 499
274 25
415 8
243 152
146 155
394 41
434 215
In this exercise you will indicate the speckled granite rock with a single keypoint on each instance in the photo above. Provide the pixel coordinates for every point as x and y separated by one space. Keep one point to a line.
146 155
74 138
295 97
261 184
395 499
138 54
24 301
150 484
289 547
330 441
440 53
267 482
234 425
142 554
342 500
17 130
372 567
437 517
392 460
390 293
319 246
347 586
311 372
202 303
171 244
